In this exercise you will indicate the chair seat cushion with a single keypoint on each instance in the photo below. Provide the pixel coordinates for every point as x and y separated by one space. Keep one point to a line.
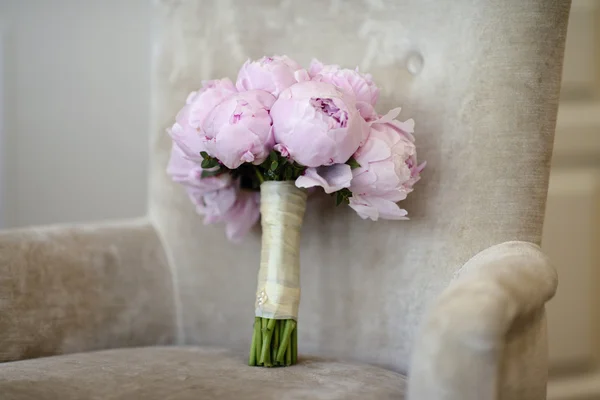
194 373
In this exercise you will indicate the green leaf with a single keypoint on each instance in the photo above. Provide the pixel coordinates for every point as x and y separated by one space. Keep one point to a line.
274 165
273 155
208 163
339 198
342 196
287 174
209 173
270 175
353 163
299 168
204 155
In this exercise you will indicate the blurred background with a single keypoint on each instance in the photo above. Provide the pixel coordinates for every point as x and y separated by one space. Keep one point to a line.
74 119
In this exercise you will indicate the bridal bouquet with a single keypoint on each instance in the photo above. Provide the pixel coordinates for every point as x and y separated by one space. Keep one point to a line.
251 149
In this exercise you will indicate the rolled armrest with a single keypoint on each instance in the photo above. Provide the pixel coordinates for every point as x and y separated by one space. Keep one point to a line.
485 336
67 289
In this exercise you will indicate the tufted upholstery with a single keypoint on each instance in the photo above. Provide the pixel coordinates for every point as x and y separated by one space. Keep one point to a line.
481 79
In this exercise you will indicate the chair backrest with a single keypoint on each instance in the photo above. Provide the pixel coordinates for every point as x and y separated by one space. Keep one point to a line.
481 79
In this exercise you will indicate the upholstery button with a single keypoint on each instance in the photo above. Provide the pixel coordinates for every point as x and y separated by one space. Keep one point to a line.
414 63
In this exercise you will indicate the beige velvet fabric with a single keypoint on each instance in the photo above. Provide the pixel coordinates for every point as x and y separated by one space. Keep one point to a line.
485 335
66 289
484 101
191 373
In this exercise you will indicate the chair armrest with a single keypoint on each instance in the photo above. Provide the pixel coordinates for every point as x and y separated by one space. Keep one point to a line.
68 289
485 336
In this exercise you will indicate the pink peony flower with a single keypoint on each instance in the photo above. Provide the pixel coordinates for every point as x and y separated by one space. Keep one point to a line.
216 204
316 124
186 130
272 74
243 215
238 130
388 169
187 172
218 198
361 86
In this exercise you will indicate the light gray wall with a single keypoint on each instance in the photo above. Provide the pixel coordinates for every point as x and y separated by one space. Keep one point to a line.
76 104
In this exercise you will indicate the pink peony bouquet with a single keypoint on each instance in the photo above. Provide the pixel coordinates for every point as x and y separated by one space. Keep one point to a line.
251 149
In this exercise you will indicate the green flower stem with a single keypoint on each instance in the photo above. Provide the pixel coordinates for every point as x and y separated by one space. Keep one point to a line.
288 351
274 343
275 340
265 357
259 175
258 337
281 332
295 345
256 342
264 321
290 324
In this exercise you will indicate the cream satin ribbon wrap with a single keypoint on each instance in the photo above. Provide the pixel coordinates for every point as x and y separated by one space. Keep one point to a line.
282 207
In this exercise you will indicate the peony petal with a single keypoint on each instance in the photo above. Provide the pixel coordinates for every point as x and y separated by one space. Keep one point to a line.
363 209
387 209
239 129
191 97
331 179
282 150
315 67
301 75
247 157
387 177
233 144
396 195
363 180
190 144
389 117
374 150
217 204
211 95
318 124
405 128
366 111
272 74
179 165
243 215
375 207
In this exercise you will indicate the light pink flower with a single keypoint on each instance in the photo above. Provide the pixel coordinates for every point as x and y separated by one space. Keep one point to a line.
214 205
187 172
218 198
212 196
186 130
272 74
243 215
361 86
317 124
238 130
388 169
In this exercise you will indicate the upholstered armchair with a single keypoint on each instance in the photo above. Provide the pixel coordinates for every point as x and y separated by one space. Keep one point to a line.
448 305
